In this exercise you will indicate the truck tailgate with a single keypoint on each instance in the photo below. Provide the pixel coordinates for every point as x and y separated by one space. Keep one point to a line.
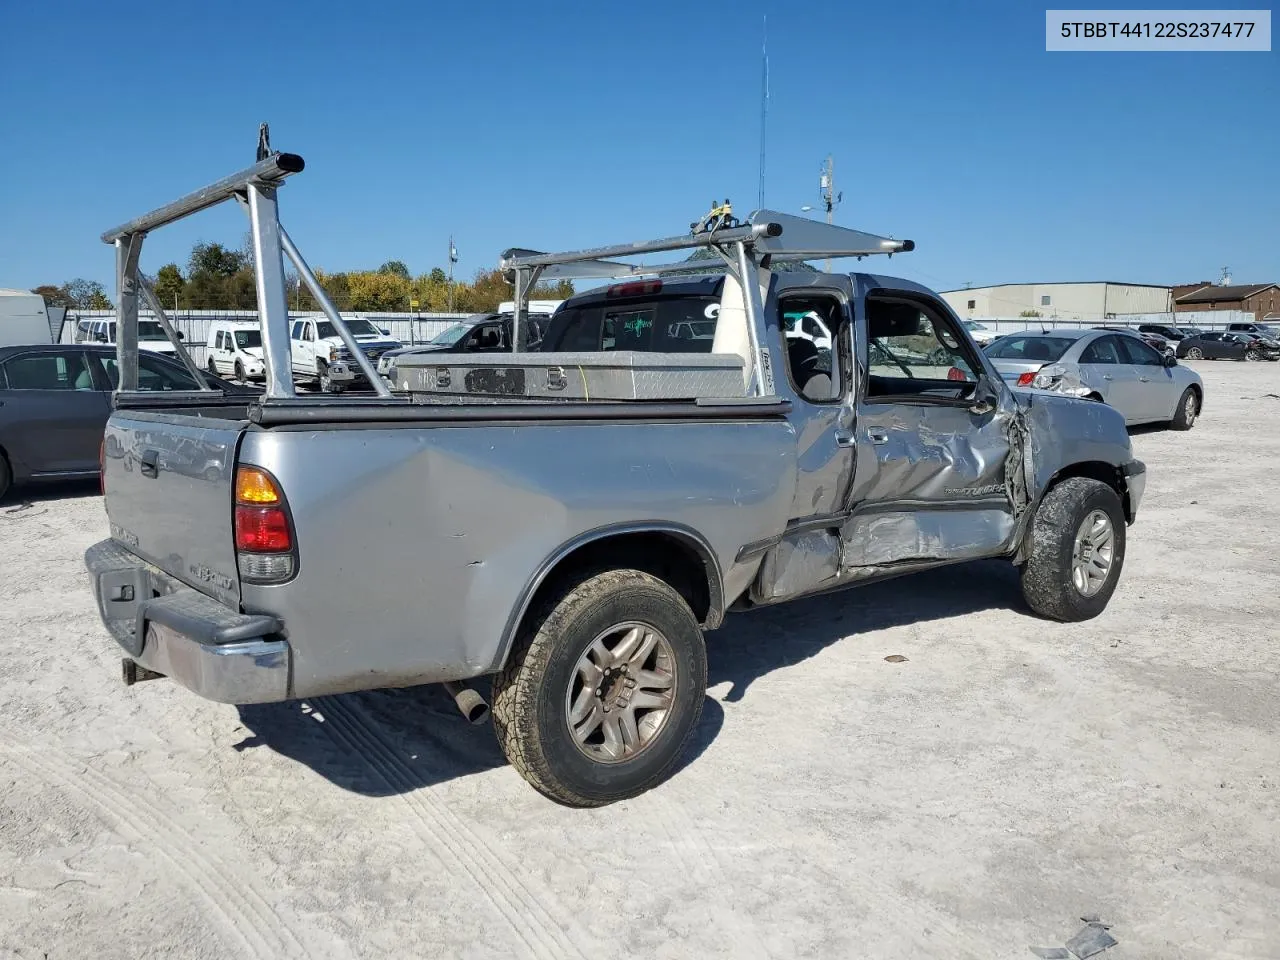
169 486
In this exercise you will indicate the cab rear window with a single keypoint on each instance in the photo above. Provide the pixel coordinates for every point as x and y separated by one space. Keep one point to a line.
654 325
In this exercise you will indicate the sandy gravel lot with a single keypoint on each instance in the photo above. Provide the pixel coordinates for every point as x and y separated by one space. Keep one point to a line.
1009 778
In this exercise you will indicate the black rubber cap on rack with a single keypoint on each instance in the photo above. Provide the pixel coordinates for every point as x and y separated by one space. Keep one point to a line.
773 229
907 246
290 162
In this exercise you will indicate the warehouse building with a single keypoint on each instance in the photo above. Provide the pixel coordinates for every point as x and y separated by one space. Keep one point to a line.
1082 300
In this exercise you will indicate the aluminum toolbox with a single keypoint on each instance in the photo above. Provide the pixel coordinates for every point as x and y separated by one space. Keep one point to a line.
621 375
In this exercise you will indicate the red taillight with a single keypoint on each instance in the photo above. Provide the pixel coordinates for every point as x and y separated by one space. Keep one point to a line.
955 373
1026 379
261 521
262 529
639 289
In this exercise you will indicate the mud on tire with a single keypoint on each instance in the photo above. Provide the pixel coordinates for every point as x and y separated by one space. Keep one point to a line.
530 695
1047 581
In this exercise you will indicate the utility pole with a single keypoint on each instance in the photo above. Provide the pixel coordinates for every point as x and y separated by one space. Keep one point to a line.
453 258
829 195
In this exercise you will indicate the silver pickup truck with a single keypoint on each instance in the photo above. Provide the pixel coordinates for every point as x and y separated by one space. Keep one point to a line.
568 522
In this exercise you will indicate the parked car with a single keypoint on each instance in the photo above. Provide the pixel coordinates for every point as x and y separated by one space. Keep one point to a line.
234 348
479 333
319 355
1121 370
981 334
1226 345
54 404
802 326
1153 340
575 550
1269 330
1171 333
151 335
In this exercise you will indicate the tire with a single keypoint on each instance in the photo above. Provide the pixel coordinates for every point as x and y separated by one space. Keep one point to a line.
541 685
213 367
1252 355
1048 582
1195 353
1184 418
240 377
6 477
323 379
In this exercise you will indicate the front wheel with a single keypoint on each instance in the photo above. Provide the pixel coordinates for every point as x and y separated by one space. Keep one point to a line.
240 377
6 476
1252 355
213 367
327 384
1077 551
1195 353
1184 418
603 690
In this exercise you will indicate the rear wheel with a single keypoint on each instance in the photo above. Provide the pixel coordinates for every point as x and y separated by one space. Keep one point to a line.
1077 551
1252 355
603 690
1195 353
1184 418
213 367
6 476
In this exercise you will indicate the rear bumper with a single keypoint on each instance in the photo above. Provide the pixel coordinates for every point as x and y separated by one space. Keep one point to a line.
166 627
1135 478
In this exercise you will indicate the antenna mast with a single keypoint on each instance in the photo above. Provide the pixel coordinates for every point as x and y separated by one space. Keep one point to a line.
829 196
764 107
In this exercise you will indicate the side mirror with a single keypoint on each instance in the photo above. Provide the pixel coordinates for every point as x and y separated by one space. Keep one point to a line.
1170 360
984 397
386 332
181 335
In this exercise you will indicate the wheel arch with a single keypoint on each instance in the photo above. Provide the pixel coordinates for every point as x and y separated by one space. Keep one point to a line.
1100 470
676 554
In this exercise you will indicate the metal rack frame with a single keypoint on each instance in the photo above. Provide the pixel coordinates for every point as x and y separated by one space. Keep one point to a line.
746 251
254 188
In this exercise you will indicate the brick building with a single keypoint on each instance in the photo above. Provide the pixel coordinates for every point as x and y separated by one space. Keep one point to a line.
1260 299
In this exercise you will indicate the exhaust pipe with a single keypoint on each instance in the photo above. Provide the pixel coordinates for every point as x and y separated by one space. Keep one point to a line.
469 703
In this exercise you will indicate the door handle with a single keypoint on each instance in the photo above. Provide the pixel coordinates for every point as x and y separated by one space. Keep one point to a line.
149 464
876 435
846 440
1144 379
1107 376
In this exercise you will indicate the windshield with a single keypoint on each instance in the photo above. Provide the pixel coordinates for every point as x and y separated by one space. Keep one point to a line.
452 335
150 330
358 326
1035 349
248 338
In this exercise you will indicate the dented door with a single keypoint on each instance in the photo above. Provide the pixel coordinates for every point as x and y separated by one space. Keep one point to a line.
933 455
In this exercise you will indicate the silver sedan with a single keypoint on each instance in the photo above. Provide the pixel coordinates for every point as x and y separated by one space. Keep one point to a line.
1114 367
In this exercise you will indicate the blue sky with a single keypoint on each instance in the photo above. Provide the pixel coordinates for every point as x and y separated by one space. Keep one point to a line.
567 125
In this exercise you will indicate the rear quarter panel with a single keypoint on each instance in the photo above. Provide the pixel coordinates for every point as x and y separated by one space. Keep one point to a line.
416 544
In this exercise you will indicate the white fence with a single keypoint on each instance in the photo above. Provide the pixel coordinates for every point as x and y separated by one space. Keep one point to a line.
408 328
1205 319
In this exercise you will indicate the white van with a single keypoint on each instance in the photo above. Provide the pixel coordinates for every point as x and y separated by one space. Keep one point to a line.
235 350
150 334
23 319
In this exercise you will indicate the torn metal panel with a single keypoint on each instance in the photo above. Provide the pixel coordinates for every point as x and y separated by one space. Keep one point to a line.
799 564
885 537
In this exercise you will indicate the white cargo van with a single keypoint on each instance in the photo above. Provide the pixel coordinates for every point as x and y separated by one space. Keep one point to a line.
23 319
234 350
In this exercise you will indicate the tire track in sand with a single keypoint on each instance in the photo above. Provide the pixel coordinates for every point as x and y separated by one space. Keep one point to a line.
247 921
542 926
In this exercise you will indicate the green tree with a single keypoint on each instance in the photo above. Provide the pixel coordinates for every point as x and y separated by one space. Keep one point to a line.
438 276
87 294
215 259
170 285
397 268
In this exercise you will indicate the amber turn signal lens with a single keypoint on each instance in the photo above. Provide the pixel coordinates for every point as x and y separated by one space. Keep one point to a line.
255 486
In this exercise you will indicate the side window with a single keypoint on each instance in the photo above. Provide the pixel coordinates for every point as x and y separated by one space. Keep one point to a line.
816 372
914 349
1139 353
309 332
1102 350
60 371
295 332
154 374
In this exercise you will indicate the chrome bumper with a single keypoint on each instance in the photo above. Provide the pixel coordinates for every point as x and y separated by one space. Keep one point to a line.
1135 477
168 628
